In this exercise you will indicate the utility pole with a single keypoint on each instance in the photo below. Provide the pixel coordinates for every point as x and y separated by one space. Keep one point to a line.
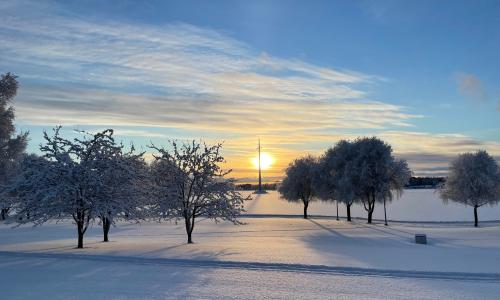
337 209
259 189
260 173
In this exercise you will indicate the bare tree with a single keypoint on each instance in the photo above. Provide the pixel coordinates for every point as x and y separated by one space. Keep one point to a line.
473 180
297 185
190 184
12 145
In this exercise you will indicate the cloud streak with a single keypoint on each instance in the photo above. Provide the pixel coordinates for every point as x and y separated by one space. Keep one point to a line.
175 75
176 62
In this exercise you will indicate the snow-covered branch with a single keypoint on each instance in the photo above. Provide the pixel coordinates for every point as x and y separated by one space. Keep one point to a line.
190 183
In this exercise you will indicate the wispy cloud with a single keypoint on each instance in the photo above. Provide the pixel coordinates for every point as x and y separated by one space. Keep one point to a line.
175 75
85 106
173 60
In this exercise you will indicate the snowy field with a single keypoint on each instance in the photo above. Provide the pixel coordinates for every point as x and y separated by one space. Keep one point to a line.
414 205
280 257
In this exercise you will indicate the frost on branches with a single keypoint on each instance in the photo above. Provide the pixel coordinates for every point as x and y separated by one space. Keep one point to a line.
336 179
189 184
378 172
297 185
87 179
12 145
362 171
474 180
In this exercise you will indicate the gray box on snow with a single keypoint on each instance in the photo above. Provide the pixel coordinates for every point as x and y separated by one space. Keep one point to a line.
420 238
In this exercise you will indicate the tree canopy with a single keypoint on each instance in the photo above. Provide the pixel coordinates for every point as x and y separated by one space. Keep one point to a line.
473 180
85 178
297 185
190 183
12 145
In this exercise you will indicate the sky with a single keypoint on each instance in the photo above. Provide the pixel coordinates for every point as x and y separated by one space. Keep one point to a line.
300 75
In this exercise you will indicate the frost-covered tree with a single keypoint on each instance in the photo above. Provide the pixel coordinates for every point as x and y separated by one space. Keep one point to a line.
337 177
361 171
375 169
400 174
12 145
61 184
84 179
125 193
123 185
473 180
297 185
36 188
190 184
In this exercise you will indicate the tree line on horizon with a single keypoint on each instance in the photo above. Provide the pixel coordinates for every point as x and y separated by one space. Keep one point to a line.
92 178
415 182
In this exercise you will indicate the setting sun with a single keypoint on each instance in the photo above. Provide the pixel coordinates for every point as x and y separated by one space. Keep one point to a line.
266 160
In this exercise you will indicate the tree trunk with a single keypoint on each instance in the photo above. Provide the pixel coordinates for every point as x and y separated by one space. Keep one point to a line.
80 235
189 228
371 208
306 204
348 206
4 213
385 215
475 216
370 212
106 225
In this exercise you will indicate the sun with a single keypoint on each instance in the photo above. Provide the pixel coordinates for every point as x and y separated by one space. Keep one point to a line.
266 161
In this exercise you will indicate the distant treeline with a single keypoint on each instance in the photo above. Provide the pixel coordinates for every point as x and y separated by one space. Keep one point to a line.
251 187
414 183
424 182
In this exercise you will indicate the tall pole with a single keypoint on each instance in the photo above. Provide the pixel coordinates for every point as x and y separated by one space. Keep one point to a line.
337 209
260 172
385 214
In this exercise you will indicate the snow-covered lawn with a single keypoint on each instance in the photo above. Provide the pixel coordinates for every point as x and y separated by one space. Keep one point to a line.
32 278
414 205
275 257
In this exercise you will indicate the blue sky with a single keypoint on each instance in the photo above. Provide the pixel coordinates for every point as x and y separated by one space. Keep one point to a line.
422 75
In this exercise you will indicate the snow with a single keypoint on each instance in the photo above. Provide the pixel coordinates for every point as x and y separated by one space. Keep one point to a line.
70 279
73 279
270 256
414 205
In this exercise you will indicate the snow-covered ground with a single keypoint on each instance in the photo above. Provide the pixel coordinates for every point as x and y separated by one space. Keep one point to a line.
32 278
269 257
414 205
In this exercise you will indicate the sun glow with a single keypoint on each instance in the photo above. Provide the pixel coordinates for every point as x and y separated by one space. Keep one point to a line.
266 161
